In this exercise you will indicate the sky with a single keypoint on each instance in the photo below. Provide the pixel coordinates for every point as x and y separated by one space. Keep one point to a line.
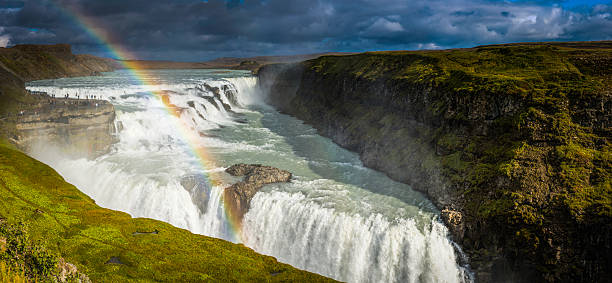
197 30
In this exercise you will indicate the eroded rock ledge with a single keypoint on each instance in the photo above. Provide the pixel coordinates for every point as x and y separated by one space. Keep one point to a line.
238 196
77 128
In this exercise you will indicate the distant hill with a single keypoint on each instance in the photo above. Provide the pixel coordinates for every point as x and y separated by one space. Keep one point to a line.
247 63
35 62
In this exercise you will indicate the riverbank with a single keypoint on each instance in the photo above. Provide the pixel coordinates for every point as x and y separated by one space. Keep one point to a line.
511 143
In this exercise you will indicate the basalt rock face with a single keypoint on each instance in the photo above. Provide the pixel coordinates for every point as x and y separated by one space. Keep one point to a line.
237 197
512 143
78 128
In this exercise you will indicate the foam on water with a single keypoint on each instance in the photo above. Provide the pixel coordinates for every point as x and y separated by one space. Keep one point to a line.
336 217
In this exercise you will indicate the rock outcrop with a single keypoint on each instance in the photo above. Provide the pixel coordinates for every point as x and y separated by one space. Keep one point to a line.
199 189
512 143
237 197
68 272
78 128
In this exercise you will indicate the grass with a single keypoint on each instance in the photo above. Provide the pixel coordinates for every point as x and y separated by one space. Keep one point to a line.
62 221
9 275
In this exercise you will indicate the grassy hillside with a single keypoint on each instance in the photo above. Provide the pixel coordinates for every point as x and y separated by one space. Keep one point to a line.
60 221
512 141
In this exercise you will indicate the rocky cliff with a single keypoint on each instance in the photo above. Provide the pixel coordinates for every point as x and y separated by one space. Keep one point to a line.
77 128
511 142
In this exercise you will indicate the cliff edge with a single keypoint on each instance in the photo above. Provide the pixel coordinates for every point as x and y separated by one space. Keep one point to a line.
511 142
83 128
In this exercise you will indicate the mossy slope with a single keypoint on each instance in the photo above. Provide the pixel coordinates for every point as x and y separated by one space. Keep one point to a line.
69 224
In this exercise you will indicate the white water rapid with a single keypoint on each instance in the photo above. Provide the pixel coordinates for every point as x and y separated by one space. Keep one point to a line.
336 218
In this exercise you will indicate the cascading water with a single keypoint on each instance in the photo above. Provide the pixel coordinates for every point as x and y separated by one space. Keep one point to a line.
336 217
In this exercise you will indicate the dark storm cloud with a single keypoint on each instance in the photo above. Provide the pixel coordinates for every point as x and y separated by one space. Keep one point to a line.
198 30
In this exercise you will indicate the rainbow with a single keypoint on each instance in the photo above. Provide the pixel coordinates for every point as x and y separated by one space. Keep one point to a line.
140 75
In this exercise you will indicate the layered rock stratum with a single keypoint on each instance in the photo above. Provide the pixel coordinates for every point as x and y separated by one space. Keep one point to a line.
77 128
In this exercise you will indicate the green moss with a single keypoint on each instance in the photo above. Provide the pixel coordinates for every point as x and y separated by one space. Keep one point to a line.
67 223
11 275
33 260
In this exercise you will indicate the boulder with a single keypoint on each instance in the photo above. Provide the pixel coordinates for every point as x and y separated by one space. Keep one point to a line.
237 197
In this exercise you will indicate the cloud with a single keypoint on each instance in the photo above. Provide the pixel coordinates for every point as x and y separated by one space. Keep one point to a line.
5 39
428 46
384 25
198 30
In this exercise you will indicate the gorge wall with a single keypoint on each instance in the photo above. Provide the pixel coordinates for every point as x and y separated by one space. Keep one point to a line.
511 142
76 128
23 63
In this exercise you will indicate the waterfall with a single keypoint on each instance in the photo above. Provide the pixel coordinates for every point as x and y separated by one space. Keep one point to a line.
335 218
350 248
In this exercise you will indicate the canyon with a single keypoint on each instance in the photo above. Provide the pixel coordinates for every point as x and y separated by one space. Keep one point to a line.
511 142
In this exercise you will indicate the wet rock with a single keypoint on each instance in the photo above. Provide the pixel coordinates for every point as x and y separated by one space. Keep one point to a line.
217 94
199 190
212 101
238 196
454 221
